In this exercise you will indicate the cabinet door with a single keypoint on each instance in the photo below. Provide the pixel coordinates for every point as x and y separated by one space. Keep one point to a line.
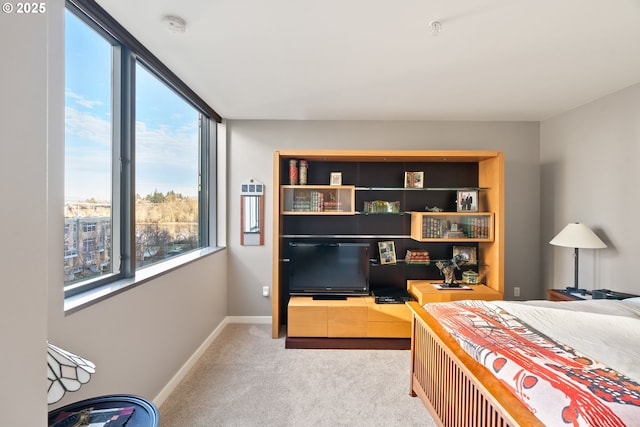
389 321
450 226
347 321
307 321
317 199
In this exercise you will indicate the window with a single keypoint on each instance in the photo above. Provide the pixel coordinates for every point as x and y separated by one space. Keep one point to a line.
88 145
137 169
167 153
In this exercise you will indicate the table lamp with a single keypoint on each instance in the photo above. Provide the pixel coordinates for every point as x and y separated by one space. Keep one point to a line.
577 236
65 372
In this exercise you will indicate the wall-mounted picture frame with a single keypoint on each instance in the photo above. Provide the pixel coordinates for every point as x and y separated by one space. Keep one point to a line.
467 201
414 180
335 178
387 251
466 253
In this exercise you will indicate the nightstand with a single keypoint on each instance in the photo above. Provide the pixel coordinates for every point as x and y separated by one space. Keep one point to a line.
564 295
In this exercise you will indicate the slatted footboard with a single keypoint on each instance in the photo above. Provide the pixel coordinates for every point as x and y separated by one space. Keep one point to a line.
457 390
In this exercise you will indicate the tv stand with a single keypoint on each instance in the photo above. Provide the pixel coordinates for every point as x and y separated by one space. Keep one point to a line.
330 297
354 317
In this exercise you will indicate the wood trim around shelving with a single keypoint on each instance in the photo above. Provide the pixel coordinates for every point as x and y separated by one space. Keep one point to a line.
277 255
391 155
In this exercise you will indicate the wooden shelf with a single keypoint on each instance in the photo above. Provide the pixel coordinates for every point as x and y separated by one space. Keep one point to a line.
424 291
447 226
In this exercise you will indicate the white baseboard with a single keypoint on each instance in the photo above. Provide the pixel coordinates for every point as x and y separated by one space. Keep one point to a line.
249 319
182 372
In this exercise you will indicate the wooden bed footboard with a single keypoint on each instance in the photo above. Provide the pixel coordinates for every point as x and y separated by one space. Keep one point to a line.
456 389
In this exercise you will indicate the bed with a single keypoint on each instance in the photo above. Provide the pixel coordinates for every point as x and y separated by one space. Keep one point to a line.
535 363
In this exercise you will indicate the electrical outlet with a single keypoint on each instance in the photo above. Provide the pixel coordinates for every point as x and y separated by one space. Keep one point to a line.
516 291
265 291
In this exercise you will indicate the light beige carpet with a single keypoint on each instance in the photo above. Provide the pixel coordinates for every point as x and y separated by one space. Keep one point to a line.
246 378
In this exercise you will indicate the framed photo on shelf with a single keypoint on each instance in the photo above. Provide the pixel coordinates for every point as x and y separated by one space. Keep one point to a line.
336 178
467 201
466 253
387 252
413 179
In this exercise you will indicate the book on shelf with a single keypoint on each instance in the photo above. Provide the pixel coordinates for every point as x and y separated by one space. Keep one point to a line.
332 206
476 227
417 256
433 228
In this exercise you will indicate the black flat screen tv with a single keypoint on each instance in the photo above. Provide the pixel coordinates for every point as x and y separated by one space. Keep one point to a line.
328 269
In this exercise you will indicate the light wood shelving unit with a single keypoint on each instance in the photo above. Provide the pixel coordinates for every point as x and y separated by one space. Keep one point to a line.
369 175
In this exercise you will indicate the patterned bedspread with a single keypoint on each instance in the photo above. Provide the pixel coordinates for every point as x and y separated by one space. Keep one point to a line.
561 386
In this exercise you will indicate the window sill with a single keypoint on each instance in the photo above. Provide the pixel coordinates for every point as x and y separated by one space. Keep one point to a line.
92 296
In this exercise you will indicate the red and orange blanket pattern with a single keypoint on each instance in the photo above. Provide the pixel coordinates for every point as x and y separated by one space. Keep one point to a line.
559 385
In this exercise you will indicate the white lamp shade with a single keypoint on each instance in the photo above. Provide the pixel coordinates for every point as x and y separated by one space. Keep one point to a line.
65 372
577 235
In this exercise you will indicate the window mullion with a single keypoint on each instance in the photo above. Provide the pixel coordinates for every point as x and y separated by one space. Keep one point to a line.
127 163
203 180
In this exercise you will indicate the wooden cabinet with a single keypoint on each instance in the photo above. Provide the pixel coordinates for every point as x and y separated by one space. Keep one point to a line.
355 317
461 227
372 206
561 295
317 200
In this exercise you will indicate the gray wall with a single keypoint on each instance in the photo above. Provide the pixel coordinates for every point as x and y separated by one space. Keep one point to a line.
138 339
251 147
589 168
23 288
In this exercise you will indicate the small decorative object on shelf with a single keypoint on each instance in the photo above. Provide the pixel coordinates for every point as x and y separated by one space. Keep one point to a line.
413 179
417 256
380 206
448 271
433 209
467 201
304 167
466 253
336 178
470 277
455 232
387 252
293 172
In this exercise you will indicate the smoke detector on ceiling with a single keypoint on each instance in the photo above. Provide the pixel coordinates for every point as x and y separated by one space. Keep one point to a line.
174 24
435 27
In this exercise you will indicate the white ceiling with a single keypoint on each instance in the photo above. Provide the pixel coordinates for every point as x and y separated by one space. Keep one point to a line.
378 59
